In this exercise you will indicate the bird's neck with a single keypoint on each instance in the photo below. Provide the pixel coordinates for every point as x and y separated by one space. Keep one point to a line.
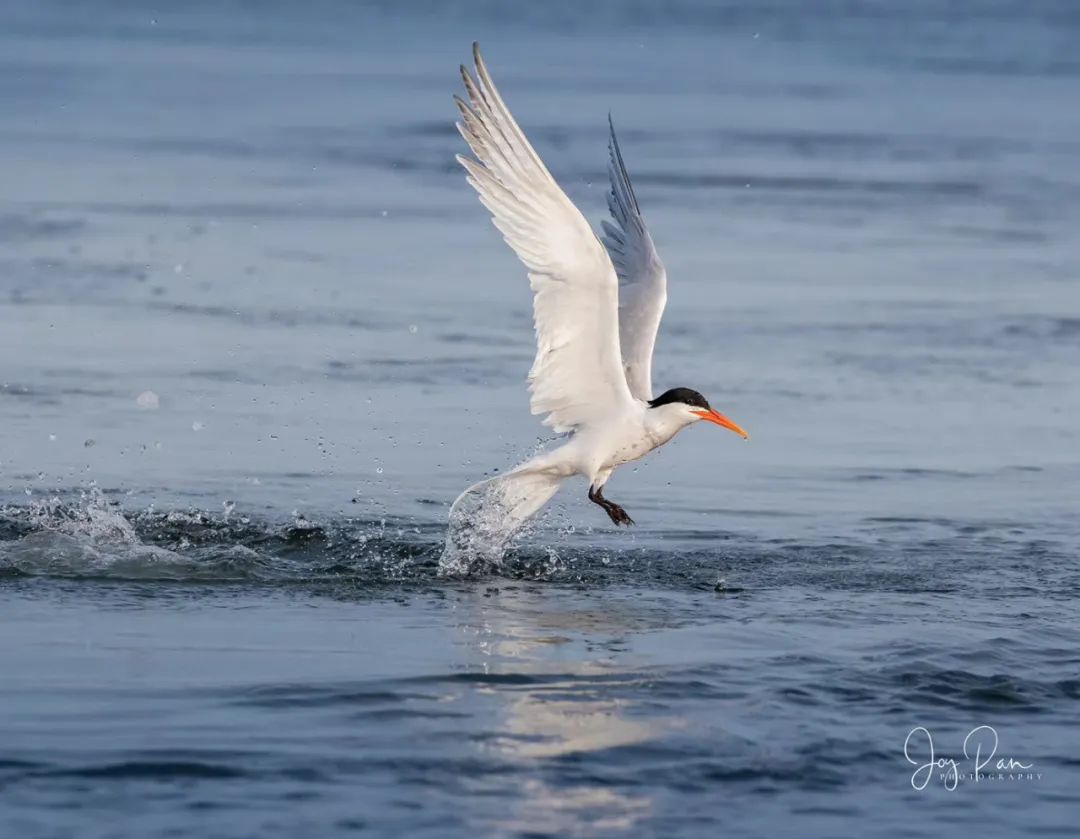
663 423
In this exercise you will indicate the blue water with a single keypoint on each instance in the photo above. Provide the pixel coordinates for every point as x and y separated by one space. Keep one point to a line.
256 334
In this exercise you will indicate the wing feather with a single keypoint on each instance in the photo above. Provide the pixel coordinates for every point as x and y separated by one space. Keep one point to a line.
643 280
577 374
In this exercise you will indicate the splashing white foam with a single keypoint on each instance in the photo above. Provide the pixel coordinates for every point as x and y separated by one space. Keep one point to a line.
86 539
94 518
490 517
477 537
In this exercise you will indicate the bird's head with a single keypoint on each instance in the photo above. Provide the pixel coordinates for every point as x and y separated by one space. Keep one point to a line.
685 406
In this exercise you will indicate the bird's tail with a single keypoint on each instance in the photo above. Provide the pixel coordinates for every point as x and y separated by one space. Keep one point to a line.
485 518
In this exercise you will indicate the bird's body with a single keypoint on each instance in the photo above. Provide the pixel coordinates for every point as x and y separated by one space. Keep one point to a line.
609 442
597 308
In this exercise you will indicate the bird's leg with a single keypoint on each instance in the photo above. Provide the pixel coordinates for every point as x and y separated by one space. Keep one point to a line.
616 513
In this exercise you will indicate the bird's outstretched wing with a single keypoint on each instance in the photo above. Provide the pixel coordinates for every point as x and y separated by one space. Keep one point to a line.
577 374
643 291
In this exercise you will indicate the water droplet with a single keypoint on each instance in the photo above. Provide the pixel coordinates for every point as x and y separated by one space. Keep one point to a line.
148 401
89 443
197 426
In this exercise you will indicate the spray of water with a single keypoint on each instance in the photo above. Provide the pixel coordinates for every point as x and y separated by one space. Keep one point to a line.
479 535
89 538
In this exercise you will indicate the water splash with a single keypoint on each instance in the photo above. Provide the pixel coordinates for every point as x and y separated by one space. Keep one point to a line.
479 534
94 517
91 538
482 540
489 518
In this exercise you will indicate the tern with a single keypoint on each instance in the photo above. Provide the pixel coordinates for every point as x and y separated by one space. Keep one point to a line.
596 308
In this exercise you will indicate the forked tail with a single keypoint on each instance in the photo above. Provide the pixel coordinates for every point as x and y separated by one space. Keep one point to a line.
485 518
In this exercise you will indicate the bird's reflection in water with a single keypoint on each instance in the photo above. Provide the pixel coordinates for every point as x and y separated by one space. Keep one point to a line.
559 696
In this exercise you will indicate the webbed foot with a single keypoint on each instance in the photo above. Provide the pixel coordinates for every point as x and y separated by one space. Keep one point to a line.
618 514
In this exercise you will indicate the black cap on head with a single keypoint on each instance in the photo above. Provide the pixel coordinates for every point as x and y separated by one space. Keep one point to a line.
681 394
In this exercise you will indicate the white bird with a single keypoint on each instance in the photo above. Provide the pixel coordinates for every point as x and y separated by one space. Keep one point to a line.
597 307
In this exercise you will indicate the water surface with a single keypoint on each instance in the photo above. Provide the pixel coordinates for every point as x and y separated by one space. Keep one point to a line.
256 334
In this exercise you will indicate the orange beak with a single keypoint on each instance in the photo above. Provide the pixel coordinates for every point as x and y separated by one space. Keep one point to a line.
720 419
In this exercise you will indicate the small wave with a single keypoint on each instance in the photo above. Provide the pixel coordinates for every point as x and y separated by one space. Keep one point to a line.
151 770
30 228
92 537
996 692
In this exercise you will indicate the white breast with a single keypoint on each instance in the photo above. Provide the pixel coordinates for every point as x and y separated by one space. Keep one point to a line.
633 437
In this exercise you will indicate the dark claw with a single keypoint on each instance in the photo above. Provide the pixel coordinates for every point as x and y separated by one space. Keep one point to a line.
619 515
616 513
